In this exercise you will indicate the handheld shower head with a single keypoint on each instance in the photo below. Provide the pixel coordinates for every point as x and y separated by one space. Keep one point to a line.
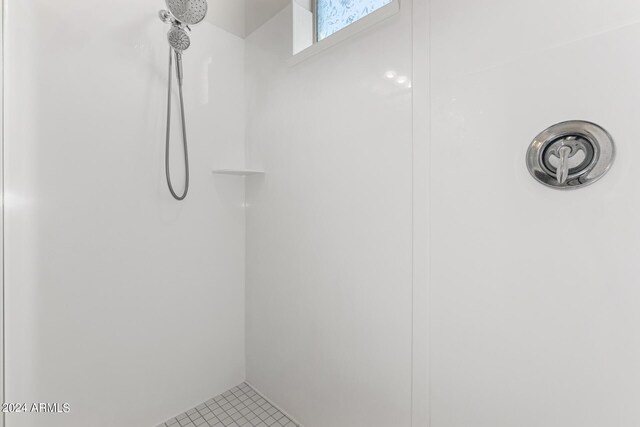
178 39
189 12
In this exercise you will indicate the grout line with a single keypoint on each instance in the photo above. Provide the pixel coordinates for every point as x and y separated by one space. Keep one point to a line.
267 401
270 403
296 422
226 398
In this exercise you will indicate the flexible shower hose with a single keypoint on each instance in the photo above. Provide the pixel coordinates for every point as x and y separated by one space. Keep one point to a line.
184 136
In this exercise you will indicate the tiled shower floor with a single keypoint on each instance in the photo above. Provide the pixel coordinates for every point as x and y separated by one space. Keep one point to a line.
241 406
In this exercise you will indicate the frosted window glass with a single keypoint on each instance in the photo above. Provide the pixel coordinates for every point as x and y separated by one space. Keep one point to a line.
334 15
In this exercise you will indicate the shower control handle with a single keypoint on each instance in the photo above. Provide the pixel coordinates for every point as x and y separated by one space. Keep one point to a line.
571 155
563 168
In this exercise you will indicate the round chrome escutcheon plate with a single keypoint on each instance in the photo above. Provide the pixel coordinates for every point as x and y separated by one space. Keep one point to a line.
571 155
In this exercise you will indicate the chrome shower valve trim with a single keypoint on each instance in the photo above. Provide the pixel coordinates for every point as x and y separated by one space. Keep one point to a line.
571 155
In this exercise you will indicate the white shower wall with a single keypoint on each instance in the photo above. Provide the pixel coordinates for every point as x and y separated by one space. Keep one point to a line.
329 229
120 301
535 303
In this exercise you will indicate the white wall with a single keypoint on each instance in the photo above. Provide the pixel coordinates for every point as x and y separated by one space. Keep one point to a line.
329 235
228 15
260 11
242 17
535 303
120 301
421 43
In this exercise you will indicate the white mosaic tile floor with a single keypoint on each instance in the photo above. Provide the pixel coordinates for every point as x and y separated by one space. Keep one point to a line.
241 406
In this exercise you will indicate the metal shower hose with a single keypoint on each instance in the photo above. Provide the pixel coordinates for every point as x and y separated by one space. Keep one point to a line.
184 136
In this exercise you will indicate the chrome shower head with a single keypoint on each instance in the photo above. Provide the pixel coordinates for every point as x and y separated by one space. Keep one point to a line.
178 39
189 12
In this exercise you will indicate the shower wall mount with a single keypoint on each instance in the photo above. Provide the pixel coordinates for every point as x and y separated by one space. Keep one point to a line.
571 155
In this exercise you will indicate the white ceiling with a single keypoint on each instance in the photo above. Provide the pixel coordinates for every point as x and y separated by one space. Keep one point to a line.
242 17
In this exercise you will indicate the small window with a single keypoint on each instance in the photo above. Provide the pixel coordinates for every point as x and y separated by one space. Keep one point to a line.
320 24
334 15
